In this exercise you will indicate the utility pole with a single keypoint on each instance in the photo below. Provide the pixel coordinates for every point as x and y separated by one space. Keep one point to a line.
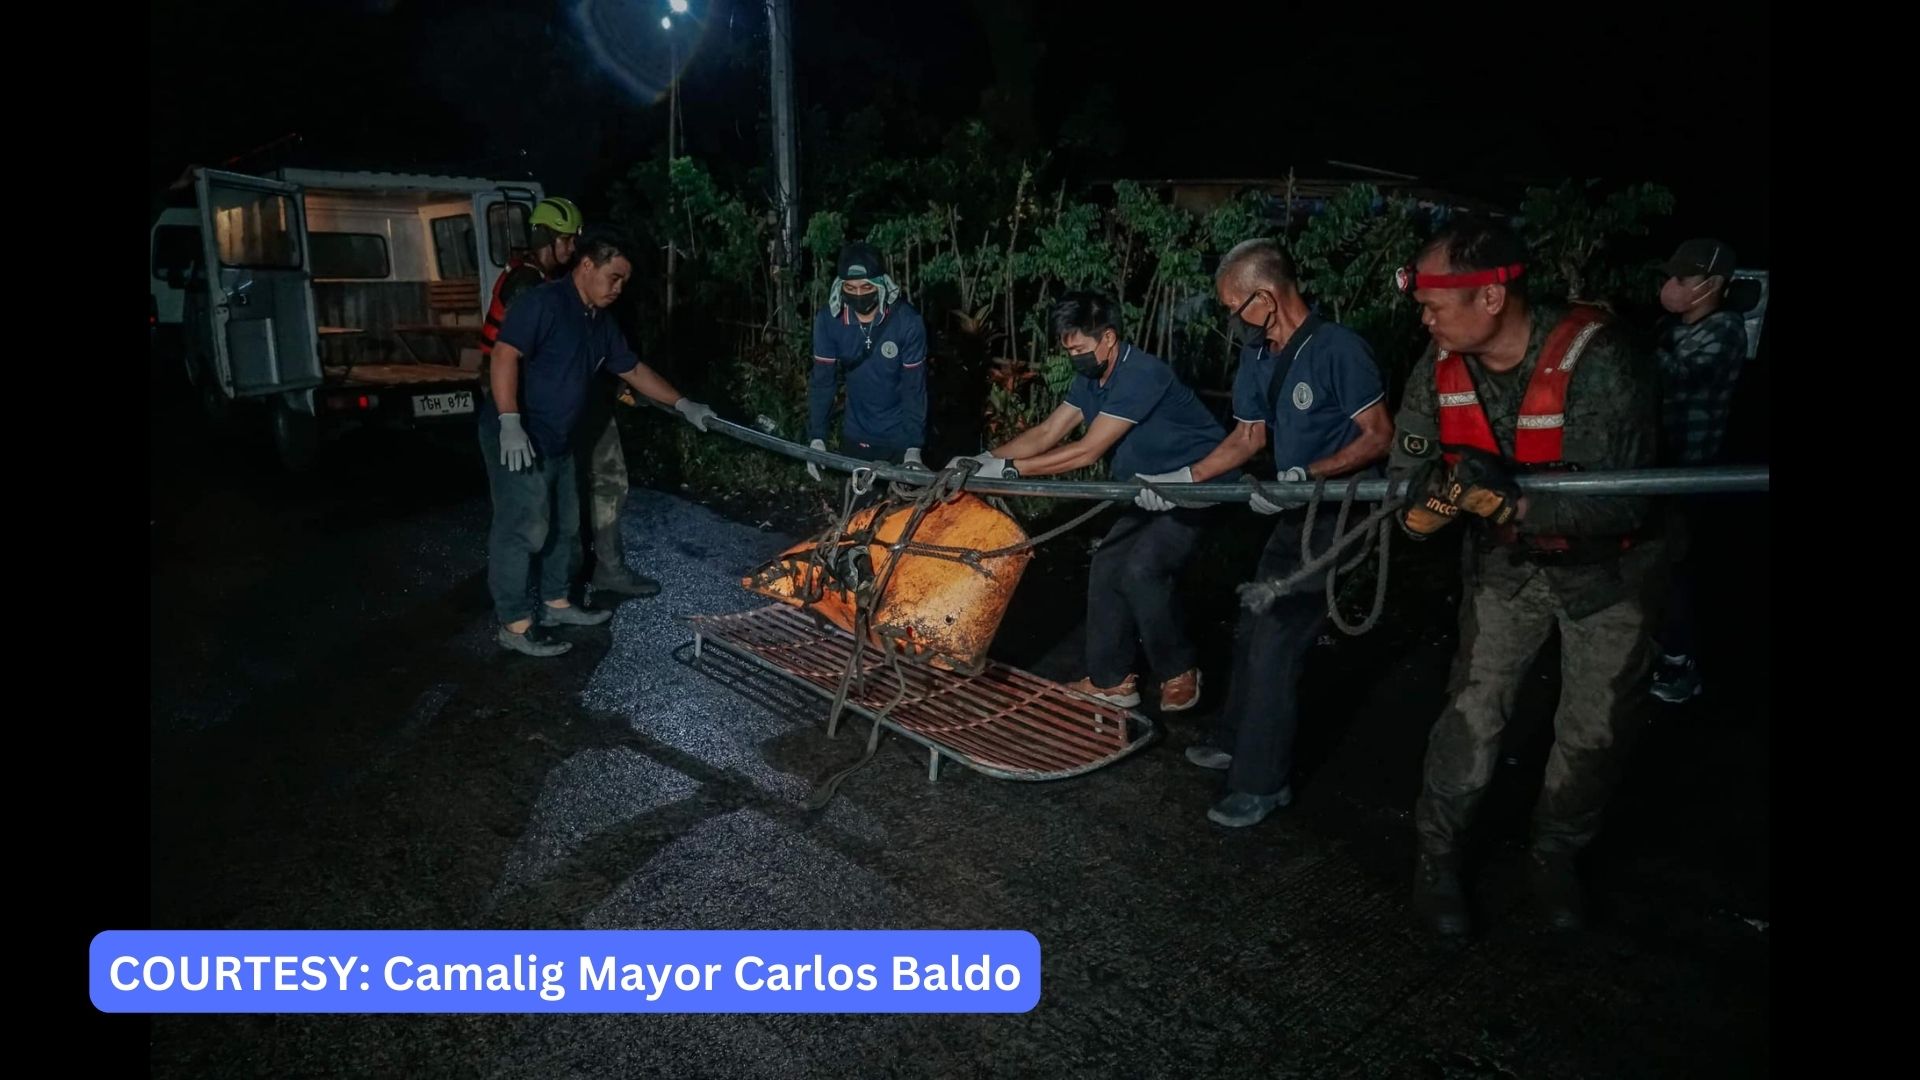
785 152
673 131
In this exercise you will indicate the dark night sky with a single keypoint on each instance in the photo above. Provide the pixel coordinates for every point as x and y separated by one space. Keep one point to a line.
1462 95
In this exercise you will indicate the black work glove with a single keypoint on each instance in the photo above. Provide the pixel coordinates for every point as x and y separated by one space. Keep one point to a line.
1482 484
1427 510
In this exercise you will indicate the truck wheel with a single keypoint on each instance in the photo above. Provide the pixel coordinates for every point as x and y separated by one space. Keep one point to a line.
296 437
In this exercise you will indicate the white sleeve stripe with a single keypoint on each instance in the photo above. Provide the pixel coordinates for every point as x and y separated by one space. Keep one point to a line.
1117 416
1245 420
1378 398
823 359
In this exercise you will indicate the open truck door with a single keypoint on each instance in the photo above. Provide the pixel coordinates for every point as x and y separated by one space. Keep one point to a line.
502 215
261 338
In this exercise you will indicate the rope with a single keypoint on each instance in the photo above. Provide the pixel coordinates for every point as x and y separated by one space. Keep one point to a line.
830 787
1380 576
942 487
975 558
1260 596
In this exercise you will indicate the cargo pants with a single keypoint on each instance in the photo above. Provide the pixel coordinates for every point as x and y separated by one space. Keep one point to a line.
1507 610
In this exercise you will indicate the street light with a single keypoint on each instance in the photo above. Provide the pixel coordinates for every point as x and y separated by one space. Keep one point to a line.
666 23
678 7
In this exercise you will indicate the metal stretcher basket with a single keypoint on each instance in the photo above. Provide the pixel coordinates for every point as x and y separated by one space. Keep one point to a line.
1000 721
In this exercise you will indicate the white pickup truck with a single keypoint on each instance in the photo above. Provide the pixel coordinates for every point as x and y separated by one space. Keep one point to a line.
335 299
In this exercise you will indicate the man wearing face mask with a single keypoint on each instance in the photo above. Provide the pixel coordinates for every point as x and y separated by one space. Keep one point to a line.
1315 386
1701 348
877 342
553 342
1132 406
1511 386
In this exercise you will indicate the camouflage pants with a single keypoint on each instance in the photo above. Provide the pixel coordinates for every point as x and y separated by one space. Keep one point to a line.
603 481
1506 614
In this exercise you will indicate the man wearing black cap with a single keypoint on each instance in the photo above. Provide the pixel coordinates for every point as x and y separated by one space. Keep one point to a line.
1514 385
877 342
1701 348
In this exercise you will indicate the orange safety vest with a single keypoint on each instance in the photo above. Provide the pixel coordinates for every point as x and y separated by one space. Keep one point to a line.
1541 425
496 309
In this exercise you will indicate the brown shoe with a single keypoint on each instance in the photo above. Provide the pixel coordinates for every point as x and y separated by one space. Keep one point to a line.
1181 692
1125 696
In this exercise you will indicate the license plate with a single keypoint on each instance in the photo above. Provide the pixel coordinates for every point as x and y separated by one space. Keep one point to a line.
460 401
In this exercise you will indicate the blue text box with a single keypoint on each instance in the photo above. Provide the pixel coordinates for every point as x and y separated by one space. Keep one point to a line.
564 971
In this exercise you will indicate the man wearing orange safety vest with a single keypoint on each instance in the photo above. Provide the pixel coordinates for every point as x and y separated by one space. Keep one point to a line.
555 225
1508 387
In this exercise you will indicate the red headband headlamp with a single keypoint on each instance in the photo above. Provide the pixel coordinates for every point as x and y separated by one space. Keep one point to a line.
1406 279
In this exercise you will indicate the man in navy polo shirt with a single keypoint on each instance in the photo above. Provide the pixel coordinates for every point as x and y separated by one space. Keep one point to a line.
1132 405
555 337
1314 385
878 343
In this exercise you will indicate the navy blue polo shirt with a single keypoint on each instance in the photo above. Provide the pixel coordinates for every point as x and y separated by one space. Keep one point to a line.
1171 428
885 365
1308 393
563 341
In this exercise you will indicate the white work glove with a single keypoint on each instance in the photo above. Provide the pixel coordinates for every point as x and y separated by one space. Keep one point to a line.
813 469
696 413
1148 500
516 450
1262 506
911 459
991 468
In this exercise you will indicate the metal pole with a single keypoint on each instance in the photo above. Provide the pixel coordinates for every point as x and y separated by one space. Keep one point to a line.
785 150
673 131
1709 481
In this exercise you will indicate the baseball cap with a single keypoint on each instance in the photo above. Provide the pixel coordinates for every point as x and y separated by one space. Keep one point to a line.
1704 257
859 261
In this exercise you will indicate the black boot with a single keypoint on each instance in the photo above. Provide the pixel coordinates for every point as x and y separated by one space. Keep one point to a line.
1556 886
1439 899
624 581
610 573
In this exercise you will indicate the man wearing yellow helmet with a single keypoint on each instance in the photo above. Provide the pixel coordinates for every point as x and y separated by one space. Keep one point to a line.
555 224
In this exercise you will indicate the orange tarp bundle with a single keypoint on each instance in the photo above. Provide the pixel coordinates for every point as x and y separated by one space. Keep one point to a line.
945 611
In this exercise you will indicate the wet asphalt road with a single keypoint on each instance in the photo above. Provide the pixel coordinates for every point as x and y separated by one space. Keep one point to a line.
336 743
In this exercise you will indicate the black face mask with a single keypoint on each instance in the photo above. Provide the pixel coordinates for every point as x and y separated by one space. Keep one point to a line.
1245 334
1239 314
864 303
1085 363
